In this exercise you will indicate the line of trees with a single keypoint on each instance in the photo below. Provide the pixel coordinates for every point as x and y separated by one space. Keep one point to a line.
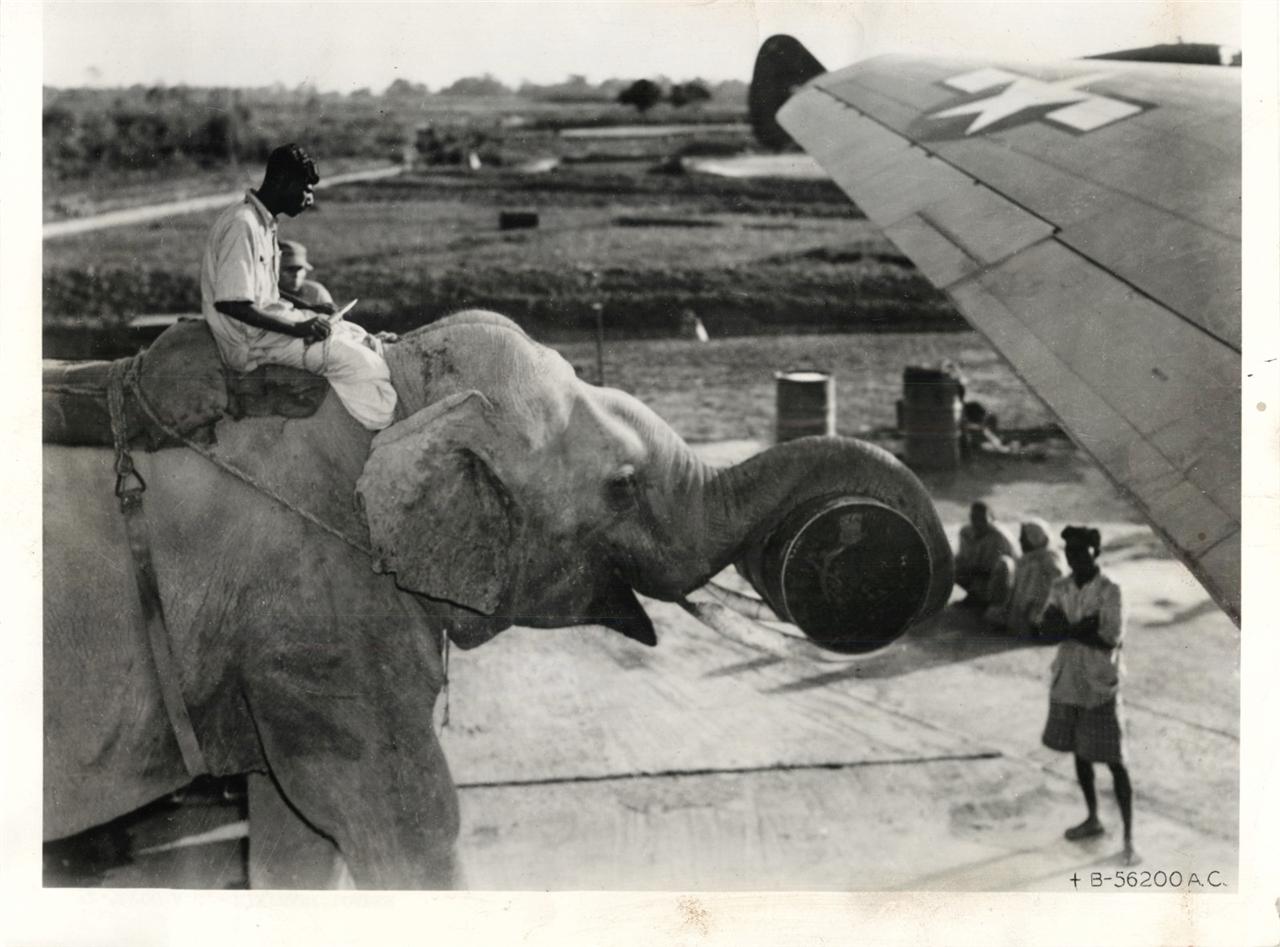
644 94
149 127
575 88
141 129
149 133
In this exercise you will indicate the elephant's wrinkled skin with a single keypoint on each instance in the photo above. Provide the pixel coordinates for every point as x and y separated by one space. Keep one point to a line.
512 493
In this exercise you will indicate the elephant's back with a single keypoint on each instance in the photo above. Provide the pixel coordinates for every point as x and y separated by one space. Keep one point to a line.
477 350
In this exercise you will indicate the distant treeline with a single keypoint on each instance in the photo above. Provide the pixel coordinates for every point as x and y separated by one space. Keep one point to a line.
153 128
182 127
576 89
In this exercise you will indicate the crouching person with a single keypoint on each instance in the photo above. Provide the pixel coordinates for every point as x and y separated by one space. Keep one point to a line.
1034 573
253 325
985 559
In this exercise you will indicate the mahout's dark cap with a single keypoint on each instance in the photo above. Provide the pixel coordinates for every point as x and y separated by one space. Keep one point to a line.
1085 536
289 160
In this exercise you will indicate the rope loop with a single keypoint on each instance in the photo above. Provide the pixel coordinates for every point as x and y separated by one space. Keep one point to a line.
125 471
122 373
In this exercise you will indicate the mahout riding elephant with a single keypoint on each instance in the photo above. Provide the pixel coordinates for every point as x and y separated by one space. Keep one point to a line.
309 572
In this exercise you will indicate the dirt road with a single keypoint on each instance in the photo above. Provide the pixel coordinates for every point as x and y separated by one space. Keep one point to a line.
139 215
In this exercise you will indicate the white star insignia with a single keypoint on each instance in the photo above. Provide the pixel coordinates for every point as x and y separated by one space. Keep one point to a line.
1082 111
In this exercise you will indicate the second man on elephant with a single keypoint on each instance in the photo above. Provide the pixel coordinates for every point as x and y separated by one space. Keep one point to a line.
240 298
296 284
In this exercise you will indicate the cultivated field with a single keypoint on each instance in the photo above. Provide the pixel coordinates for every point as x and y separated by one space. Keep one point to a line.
622 222
746 256
784 273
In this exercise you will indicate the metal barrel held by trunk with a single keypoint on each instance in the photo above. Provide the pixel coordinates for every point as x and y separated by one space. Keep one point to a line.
850 572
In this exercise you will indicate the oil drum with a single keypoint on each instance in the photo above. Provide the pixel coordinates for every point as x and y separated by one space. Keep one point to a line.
932 399
806 404
850 572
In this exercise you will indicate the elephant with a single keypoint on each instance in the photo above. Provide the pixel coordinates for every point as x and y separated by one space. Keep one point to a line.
310 570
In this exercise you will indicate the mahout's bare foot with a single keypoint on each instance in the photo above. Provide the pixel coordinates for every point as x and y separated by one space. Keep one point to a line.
1086 829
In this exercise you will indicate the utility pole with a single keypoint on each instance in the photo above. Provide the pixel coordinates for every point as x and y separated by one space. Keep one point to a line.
599 308
592 279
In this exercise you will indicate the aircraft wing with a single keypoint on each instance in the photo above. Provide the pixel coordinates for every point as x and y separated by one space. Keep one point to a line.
1085 217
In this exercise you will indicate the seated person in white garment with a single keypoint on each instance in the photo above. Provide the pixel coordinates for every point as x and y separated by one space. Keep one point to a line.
253 325
296 285
1034 573
983 558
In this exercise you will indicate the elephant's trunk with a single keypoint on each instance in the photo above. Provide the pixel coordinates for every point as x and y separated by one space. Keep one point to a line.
836 534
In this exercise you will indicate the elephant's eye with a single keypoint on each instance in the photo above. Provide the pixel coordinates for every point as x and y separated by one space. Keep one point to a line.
620 491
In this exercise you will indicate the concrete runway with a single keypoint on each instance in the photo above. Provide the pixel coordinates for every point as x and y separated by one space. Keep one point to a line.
586 761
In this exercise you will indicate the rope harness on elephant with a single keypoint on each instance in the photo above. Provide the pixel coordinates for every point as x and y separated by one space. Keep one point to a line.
125 377
129 489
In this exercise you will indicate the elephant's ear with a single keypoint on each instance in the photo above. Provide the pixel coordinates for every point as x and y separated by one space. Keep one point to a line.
438 515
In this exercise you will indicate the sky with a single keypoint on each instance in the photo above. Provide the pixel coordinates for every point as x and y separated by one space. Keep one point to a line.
342 46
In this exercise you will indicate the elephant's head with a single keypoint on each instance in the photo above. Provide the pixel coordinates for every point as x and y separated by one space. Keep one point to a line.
529 497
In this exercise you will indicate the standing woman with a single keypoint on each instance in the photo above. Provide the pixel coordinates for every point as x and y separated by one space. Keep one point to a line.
1086 614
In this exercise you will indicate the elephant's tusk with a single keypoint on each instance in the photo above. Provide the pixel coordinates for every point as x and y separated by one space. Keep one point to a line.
754 634
223 833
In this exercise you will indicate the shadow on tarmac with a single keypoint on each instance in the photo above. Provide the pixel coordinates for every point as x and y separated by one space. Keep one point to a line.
954 635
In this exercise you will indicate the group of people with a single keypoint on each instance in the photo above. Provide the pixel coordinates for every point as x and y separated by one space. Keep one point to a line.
1026 593
1011 585
261 310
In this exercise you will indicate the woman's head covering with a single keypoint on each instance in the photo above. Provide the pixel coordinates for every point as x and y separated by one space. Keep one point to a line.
1036 532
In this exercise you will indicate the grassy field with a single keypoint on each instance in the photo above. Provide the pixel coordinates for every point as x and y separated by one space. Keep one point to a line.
621 225
746 256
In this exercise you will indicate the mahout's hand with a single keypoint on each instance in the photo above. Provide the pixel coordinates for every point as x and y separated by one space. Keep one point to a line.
327 309
314 330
